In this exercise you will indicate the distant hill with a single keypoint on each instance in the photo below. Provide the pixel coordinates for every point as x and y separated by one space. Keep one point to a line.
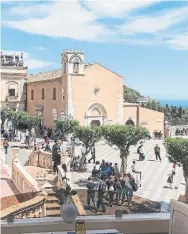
131 95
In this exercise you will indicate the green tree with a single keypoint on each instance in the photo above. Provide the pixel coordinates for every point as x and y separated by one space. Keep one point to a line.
177 151
64 127
180 112
123 137
32 122
88 136
131 95
15 118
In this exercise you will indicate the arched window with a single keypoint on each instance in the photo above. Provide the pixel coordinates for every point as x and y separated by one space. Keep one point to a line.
65 67
75 65
32 94
54 93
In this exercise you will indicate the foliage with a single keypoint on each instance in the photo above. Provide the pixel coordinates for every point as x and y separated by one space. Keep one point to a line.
177 152
123 137
19 118
131 95
64 127
88 136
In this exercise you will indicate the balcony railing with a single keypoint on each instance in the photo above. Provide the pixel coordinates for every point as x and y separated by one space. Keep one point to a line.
12 98
153 223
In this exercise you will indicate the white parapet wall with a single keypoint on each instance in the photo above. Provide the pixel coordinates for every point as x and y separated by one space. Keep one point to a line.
23 181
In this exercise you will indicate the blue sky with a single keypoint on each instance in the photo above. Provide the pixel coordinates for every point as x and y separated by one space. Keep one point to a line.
146 42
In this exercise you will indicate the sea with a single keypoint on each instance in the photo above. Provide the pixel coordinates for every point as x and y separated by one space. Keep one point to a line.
182 103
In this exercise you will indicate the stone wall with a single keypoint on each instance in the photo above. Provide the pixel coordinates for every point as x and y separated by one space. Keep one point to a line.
23 181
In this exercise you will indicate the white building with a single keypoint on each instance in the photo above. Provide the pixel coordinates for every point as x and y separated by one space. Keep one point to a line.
13 79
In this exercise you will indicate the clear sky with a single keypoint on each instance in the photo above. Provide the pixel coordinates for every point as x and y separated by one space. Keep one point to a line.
146 42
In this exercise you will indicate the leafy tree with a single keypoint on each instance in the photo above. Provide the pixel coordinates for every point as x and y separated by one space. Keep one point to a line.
177 150
64 127
15 117
131 95
123 137
32 122
180 112
88 136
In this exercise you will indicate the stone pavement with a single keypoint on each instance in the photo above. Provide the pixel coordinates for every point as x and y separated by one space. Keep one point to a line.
154 173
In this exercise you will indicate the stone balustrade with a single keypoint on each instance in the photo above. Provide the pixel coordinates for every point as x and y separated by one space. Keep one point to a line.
42 159
23 181
33 208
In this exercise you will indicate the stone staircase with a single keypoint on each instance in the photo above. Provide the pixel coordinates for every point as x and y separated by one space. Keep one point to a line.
52 205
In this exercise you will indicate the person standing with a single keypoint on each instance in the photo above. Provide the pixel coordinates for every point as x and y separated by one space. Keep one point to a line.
5 145
56 154
140 152
134 170
27 137
90 193
116 169
157 150
100 202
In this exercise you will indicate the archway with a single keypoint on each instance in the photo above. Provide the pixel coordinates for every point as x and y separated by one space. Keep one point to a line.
130 122
96 115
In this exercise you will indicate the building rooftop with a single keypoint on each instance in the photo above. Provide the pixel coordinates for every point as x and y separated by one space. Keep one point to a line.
49 75
42 76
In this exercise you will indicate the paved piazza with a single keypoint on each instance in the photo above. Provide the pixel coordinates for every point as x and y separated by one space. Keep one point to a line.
154 173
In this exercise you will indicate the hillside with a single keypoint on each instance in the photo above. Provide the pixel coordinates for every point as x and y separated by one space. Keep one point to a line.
131 95
175 115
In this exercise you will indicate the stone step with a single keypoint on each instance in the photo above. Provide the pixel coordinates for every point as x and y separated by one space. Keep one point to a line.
50 192
53 213
52 206
51 199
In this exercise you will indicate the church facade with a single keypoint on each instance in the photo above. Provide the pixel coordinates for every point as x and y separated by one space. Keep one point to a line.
91 94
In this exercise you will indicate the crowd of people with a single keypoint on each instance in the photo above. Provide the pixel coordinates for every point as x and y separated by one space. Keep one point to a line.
108 186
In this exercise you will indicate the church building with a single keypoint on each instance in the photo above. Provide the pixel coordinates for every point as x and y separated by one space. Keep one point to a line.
89 93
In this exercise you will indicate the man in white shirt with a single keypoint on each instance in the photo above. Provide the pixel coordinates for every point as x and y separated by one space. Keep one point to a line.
134 171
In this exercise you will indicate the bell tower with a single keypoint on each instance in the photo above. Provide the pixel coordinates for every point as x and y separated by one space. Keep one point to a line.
72 62
72 66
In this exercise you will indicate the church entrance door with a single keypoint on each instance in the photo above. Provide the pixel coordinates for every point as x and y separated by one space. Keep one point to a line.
96 115
95 123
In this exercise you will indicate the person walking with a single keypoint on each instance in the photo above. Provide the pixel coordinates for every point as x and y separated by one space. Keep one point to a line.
90 193
5 145
157 150
92 155
56 154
